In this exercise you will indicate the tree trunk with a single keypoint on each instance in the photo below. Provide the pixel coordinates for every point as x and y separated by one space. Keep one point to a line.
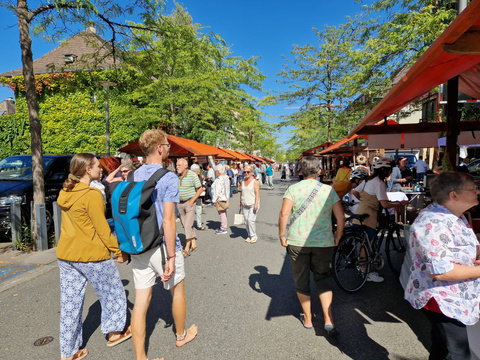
24 17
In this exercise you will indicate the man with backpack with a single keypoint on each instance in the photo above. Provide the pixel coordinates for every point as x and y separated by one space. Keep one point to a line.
148 264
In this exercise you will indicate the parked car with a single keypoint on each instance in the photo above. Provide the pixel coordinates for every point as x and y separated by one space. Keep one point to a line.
411 158
16 184
474 169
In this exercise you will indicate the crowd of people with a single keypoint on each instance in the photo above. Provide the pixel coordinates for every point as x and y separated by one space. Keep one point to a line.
88 241
442 281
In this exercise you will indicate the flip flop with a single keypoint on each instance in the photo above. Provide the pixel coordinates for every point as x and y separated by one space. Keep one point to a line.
185 253
80 354
203 228
124 335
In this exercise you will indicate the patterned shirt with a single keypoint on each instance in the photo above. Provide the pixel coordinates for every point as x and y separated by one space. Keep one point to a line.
313 228
439 239
189 185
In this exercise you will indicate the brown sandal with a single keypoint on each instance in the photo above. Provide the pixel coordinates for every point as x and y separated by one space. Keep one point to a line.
124 335
80 354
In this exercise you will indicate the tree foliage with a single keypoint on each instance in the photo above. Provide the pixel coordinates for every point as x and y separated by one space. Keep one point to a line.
343 76
192 84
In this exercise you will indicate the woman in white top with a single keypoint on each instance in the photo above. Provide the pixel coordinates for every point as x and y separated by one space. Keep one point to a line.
221 193
250 202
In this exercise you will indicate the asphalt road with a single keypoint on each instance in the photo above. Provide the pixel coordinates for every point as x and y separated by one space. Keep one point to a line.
241 297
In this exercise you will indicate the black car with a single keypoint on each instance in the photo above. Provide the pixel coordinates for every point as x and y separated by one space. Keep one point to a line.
16 184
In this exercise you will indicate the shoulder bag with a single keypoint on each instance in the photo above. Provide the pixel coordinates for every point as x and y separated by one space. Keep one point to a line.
305 204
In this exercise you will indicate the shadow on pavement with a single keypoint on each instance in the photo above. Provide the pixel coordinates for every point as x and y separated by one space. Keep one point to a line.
94 316
353 313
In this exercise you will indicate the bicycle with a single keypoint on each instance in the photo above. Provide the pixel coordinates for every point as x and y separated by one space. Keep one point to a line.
356 254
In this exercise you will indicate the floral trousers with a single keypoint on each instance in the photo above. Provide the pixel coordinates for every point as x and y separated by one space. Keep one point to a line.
105 279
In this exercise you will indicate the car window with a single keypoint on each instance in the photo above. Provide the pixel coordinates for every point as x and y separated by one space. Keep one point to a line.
474 168
19 167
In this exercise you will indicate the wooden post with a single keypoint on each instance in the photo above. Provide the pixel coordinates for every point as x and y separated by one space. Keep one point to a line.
453 120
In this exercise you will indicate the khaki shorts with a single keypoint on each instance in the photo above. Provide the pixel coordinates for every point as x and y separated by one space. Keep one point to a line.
148 266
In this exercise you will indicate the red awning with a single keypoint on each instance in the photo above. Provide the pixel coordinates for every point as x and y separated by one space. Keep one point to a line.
256 158
434 67
316 149
231 153
180 147
347 139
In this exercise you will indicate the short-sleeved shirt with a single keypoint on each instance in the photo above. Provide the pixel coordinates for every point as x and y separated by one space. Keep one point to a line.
343 174
189 185
269 171
211 174
377 188
313 228
438 240
421 166
167 189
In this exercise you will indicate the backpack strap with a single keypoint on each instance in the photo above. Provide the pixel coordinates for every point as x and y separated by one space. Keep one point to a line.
157 175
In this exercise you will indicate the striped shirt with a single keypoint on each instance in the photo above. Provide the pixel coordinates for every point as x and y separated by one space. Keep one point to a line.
189 185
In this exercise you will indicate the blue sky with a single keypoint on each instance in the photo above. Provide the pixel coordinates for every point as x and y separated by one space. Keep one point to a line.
265 28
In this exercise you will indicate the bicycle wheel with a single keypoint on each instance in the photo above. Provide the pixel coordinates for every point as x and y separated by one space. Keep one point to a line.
395 248
351 263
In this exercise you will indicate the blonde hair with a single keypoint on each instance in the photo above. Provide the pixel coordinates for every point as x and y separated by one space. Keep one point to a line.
249 167
150 140
78 167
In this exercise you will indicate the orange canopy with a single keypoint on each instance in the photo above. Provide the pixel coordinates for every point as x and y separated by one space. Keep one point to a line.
436 66
179 147
347 139
316 149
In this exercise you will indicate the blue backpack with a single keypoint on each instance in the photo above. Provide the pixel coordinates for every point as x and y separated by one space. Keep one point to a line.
134 213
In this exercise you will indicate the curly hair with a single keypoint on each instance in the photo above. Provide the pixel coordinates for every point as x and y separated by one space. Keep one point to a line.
150 139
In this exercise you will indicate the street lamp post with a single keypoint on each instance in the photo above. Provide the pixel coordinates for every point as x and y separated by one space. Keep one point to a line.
106 87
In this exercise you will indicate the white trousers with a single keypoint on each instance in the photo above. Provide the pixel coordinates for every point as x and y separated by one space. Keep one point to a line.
250 217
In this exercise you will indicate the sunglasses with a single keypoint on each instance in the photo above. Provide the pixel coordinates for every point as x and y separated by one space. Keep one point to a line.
124 171
248 172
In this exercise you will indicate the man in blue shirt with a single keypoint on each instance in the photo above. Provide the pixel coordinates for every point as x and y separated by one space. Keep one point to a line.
147 265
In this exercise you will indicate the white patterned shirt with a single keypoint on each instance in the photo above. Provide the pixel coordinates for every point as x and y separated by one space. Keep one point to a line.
438 240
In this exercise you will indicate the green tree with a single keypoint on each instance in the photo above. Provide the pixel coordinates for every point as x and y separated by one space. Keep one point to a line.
319 79
58 16
355 64
192 84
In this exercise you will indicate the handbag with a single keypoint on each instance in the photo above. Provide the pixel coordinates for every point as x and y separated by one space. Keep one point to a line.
222 205
239 218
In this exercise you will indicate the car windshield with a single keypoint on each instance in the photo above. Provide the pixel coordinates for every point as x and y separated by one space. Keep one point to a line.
19 167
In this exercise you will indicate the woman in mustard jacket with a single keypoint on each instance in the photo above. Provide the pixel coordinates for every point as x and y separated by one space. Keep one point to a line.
84 254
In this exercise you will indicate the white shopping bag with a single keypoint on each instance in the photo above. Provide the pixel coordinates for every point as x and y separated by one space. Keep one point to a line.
239 219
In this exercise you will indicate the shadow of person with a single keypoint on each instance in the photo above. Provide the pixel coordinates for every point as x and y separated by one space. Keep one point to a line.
347 309
94 317
348 314
237 232
160 309
278 287
212 224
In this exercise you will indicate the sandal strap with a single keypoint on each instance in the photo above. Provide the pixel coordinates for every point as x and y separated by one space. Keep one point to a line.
182 337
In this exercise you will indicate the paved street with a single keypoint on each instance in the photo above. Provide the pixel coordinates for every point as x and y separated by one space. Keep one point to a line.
240 295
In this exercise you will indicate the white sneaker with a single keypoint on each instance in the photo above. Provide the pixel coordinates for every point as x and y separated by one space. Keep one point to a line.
374 277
